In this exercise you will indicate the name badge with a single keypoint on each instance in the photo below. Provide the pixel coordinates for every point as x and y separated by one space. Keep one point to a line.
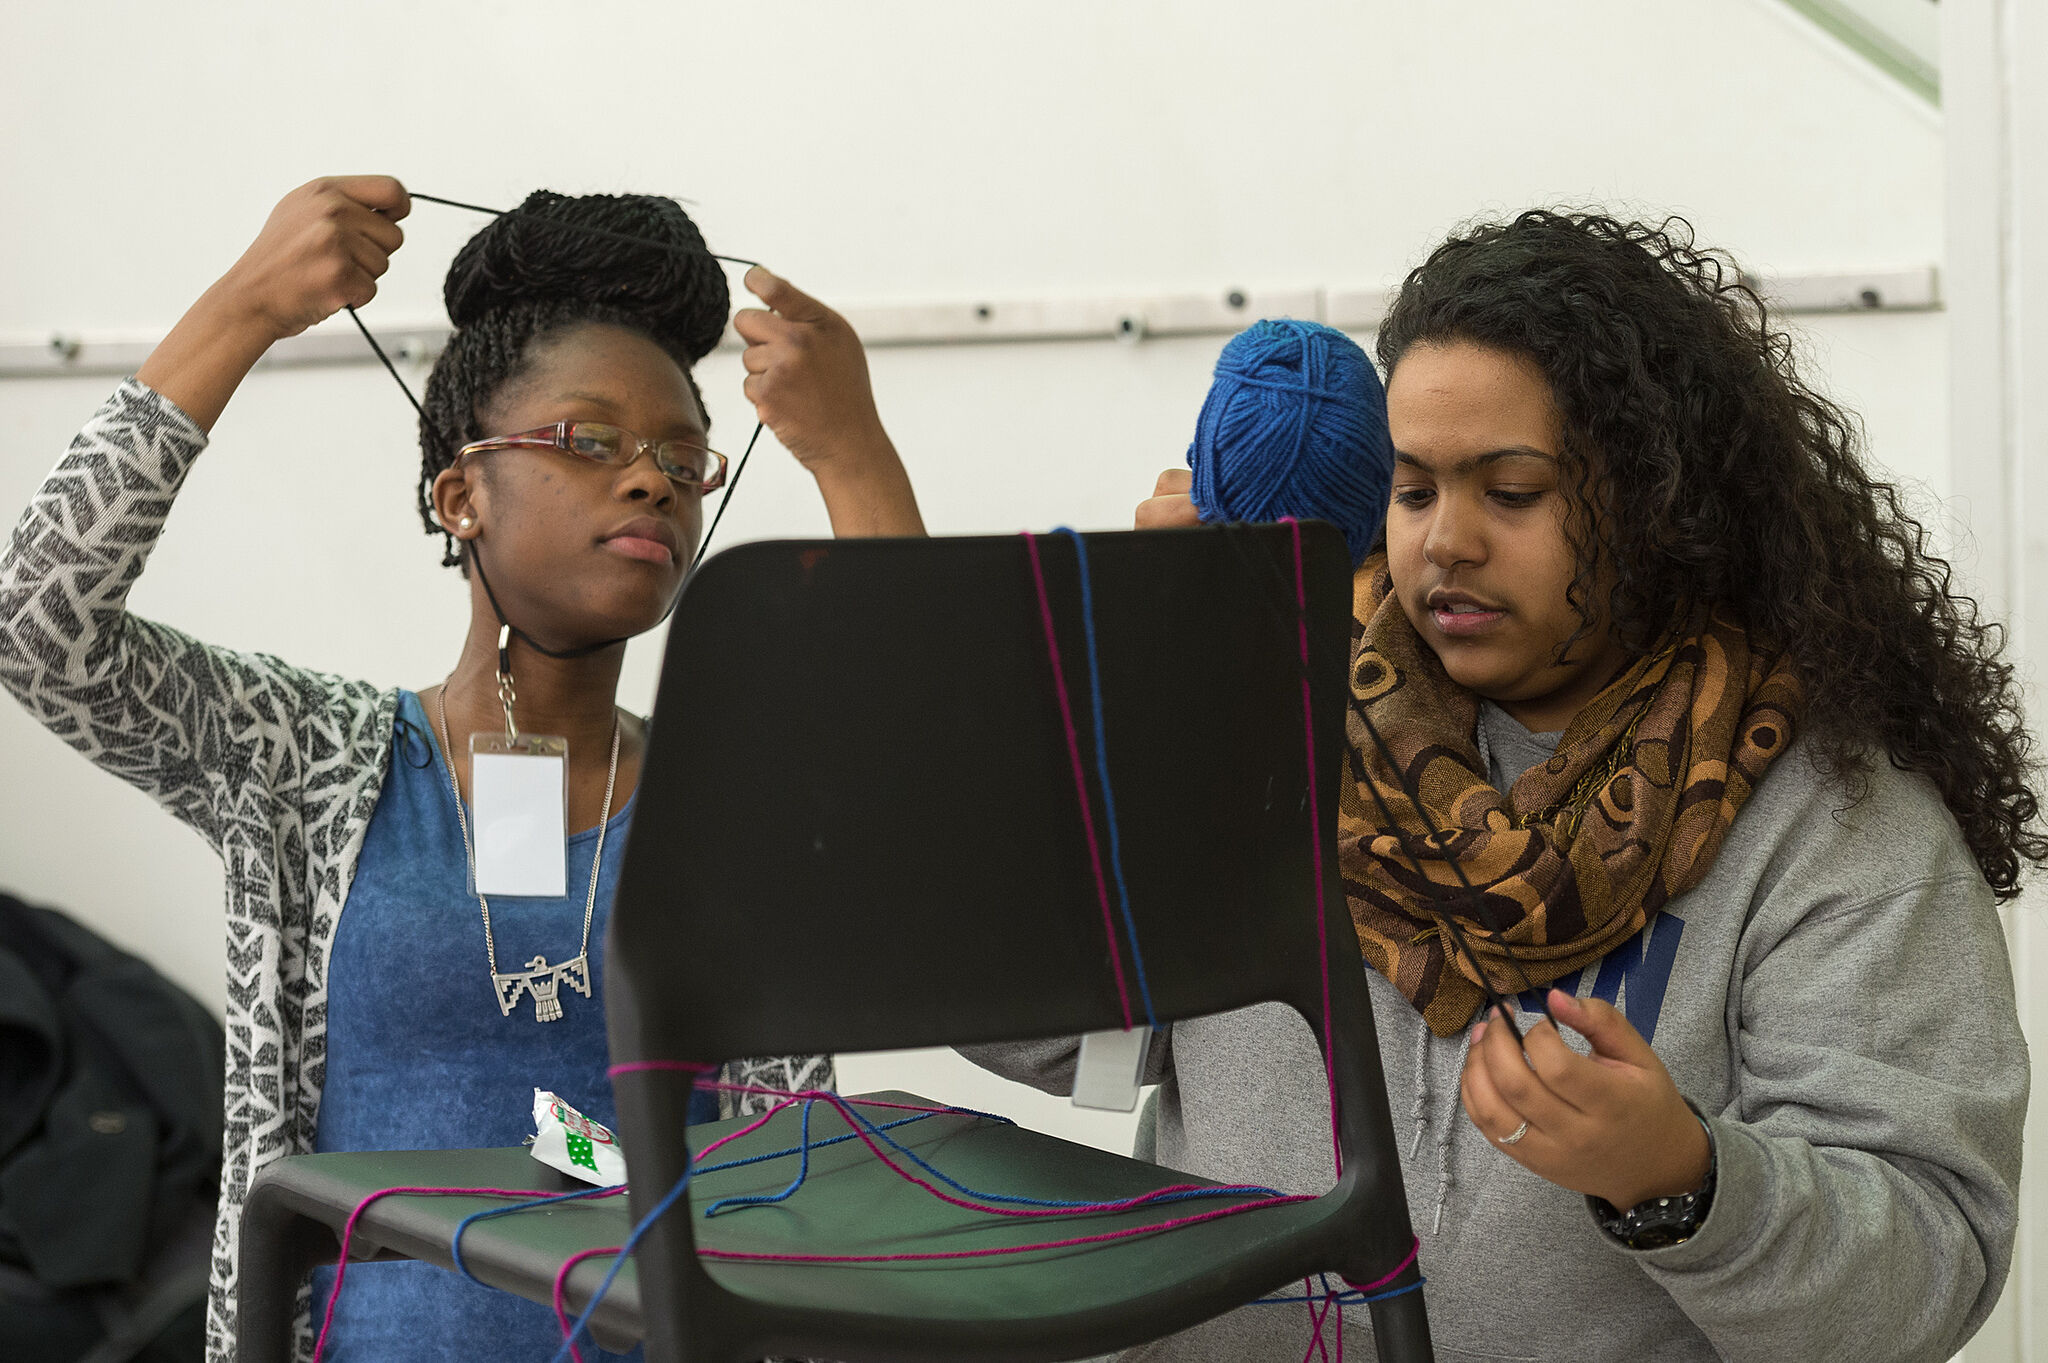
519 805
1111 1066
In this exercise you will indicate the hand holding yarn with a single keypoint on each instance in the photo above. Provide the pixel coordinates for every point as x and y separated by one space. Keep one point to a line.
322 249
1295 424
807 374
1611 1123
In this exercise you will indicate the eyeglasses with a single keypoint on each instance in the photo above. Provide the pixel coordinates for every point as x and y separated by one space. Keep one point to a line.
686 462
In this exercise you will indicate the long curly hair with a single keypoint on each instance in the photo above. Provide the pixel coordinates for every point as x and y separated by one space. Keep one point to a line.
1700 469
535 271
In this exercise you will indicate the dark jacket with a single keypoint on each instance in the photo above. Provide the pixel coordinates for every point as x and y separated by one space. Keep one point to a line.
110 1117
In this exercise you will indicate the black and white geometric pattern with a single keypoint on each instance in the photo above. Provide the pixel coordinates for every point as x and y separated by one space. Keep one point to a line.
276 767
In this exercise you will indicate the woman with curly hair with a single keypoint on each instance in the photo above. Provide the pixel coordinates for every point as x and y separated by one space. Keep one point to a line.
1689 731
377 999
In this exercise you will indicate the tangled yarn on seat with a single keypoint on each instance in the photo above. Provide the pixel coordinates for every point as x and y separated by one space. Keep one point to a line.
1295 424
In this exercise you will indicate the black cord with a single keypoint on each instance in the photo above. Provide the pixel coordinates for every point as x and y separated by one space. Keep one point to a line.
455 203
1453 930
731 487
601 233
389 367
476 559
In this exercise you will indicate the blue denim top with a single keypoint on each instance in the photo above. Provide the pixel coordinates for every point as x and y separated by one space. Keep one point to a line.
420 1058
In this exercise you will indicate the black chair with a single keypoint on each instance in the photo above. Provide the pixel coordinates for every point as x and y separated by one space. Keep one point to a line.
874 800
878 844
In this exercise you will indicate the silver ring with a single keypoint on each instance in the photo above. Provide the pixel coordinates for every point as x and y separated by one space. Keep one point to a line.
1515 1135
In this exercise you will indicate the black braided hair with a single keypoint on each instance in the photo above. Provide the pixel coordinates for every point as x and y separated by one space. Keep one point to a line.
531 273
1701 468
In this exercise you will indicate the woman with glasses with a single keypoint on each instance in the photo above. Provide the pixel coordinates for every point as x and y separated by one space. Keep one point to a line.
398 978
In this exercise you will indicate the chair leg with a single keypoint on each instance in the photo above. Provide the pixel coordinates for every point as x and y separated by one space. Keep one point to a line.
279 1248
1400 1329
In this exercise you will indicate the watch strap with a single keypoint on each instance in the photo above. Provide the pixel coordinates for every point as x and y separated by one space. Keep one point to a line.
1661 1222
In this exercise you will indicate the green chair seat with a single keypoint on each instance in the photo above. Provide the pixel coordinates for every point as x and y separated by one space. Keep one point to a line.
850 1204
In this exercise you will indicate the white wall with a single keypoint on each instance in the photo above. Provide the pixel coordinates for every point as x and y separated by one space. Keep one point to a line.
1997 195
882 152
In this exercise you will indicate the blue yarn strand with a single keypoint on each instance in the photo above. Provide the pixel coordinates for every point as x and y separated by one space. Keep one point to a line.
1344 1298
1348 1298
1234 1190
704 1169
803 1171
668 1200
682 1186
462 1226
1116 857
803 1148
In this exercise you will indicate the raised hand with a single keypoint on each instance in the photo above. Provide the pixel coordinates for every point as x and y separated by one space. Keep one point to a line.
323 248
807 376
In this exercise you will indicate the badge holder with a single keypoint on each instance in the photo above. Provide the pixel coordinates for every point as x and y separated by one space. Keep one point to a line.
519 794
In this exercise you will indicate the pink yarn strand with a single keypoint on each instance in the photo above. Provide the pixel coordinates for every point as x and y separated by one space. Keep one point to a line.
640 1066
1020 1213
1414 1249
560 1295
818 1093
1059 682
1125 1234
1316 1319
348 1231
1315 808
747 1130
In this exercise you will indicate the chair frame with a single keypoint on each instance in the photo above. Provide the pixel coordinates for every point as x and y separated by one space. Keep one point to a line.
861 676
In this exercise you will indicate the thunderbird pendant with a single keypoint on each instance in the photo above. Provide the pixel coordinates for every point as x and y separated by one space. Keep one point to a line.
544 982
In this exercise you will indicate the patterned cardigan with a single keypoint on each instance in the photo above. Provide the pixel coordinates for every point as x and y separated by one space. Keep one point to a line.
276 767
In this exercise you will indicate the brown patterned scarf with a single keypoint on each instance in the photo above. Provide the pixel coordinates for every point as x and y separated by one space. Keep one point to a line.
1586 846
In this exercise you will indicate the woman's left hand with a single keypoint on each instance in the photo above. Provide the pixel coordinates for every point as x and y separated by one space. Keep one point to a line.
1611 1124
807 376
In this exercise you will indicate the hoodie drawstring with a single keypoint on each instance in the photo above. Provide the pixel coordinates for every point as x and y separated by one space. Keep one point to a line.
1421 1115
1444 1179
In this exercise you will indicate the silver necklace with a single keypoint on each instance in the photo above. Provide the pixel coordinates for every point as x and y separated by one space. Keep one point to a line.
540 979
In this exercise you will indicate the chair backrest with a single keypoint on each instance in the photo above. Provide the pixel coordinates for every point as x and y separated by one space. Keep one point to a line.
858 826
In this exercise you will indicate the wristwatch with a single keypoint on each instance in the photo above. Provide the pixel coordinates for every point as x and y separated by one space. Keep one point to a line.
1661 1222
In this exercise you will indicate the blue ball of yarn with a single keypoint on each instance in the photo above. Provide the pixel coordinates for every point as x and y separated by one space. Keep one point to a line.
1295 424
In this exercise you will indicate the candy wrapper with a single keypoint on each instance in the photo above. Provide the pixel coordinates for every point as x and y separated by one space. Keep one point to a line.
565 1139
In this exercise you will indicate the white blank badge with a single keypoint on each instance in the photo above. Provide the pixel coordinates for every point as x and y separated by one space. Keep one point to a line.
518 798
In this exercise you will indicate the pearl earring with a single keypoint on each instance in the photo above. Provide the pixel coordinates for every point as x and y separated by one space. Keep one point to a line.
465 523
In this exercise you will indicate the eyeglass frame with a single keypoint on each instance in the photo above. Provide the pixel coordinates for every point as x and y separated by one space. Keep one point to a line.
556 437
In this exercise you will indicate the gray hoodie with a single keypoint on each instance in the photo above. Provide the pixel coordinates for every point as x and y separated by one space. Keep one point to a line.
1834 995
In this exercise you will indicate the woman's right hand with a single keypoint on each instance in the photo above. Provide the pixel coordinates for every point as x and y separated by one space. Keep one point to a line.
1170 506
324 248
